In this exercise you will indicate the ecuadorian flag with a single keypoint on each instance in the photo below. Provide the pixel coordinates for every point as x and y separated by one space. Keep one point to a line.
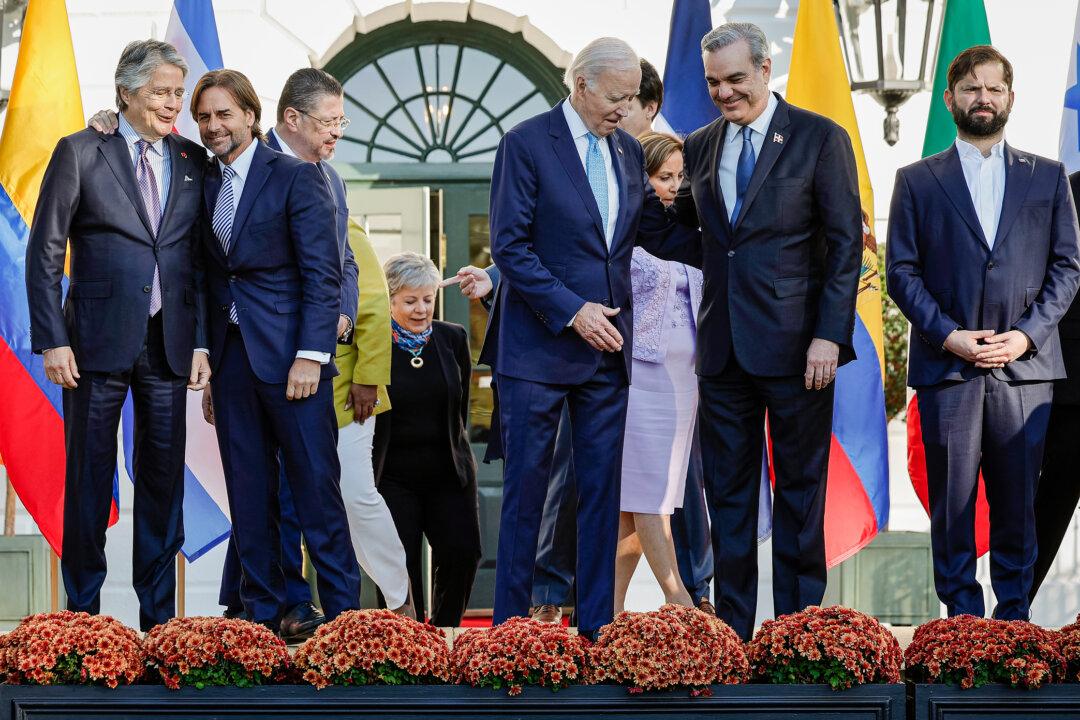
857 499
45 105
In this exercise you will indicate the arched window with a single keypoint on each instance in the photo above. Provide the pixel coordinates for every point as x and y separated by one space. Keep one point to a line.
438 92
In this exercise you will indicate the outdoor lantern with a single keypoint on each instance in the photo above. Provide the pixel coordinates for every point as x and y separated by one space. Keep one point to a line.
889 46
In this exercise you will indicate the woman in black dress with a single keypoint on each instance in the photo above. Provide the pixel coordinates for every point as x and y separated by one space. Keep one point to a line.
425 468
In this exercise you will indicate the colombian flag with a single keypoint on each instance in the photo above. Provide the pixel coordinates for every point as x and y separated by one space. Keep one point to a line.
857 499
45 105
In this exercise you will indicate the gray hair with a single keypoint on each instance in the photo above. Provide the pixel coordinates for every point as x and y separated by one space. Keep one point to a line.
139 61
410 270
731 33
602 54
305 88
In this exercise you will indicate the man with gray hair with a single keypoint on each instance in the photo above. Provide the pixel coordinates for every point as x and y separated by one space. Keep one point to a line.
133 319
569 201
775 192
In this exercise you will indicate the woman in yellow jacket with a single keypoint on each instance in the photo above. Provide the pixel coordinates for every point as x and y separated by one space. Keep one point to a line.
359 394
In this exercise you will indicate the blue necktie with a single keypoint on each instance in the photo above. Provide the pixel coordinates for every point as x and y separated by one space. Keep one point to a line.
744 171
224 212
598 180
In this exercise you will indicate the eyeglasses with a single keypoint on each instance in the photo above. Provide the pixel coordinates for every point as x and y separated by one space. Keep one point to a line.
341 122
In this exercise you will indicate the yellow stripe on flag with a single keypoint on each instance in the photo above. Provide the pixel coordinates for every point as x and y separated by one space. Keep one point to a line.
45 103
818 81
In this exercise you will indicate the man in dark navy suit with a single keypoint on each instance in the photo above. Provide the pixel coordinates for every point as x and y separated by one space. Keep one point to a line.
310 121
274 278
982 258
775 191
569 199
129 204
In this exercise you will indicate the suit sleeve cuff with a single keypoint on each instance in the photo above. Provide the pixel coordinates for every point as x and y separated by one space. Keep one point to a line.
320 357
204 351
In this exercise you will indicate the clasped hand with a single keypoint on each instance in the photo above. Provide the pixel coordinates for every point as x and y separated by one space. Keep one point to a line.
592 324
987 349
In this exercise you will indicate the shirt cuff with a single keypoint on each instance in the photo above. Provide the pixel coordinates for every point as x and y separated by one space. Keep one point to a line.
204 351
320 357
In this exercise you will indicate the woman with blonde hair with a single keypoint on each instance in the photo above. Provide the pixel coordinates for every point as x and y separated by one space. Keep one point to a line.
662 408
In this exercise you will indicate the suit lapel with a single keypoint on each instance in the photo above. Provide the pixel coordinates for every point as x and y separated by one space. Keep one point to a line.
181 167
617 157
716 148
950 173
1018 171
257 175
571 162
776 137
115 150
448 366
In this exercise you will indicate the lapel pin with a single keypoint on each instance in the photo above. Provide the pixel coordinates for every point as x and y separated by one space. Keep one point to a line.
183 154
1023 160
187 178
778 138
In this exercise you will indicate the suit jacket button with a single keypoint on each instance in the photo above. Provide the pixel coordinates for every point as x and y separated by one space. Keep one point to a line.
232 278
146 288
731 253
990 266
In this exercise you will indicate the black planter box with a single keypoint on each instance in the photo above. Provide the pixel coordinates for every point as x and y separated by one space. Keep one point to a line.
764 702
947 702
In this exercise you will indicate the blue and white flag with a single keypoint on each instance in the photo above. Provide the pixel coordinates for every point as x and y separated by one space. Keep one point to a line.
193 31
687 105
1070 116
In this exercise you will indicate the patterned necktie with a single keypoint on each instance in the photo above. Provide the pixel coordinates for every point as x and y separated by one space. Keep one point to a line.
743 171
144 176
222 223
598 180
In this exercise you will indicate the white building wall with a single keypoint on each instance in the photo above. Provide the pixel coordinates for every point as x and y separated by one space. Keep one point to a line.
268 39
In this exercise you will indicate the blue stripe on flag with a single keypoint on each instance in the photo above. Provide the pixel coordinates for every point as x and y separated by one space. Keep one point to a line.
859 421
687 105
198 19
14 310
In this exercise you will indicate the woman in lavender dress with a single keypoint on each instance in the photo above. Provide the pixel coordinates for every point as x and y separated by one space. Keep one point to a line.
663 396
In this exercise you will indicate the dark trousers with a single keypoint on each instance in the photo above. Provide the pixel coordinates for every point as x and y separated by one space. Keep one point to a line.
297 589
1059 488
1002 426
731 420
690 531
530 414
556 553
254 421
91 418
449 516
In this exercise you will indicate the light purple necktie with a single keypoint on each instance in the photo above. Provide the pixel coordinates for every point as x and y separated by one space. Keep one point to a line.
144 175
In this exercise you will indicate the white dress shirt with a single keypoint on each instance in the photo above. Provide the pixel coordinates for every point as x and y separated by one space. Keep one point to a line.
729 158
985 178
241 167
156 154
580 133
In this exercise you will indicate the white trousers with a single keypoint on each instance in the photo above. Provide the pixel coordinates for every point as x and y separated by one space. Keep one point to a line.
374 535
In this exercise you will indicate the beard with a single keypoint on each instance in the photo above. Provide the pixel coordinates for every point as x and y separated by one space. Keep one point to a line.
977 126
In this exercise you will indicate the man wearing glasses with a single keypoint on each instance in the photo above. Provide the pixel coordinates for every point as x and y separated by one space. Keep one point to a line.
134 318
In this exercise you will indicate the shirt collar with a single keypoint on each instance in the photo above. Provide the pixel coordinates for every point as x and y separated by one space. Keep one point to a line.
574 121
970 152
242 164
760 124
285 147
131 136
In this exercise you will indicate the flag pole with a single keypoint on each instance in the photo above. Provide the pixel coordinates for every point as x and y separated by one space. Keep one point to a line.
181 588
54 581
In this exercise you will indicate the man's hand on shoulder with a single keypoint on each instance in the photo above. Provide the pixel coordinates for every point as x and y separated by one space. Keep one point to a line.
104 121
822 358
592 324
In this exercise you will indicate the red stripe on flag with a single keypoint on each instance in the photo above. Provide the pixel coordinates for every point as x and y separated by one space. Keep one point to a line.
917 470
850 522
32 438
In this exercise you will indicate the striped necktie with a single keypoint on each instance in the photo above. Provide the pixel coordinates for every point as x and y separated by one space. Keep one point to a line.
144 176
224 211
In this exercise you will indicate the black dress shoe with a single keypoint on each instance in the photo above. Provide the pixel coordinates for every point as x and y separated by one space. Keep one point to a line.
235 614
301 622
